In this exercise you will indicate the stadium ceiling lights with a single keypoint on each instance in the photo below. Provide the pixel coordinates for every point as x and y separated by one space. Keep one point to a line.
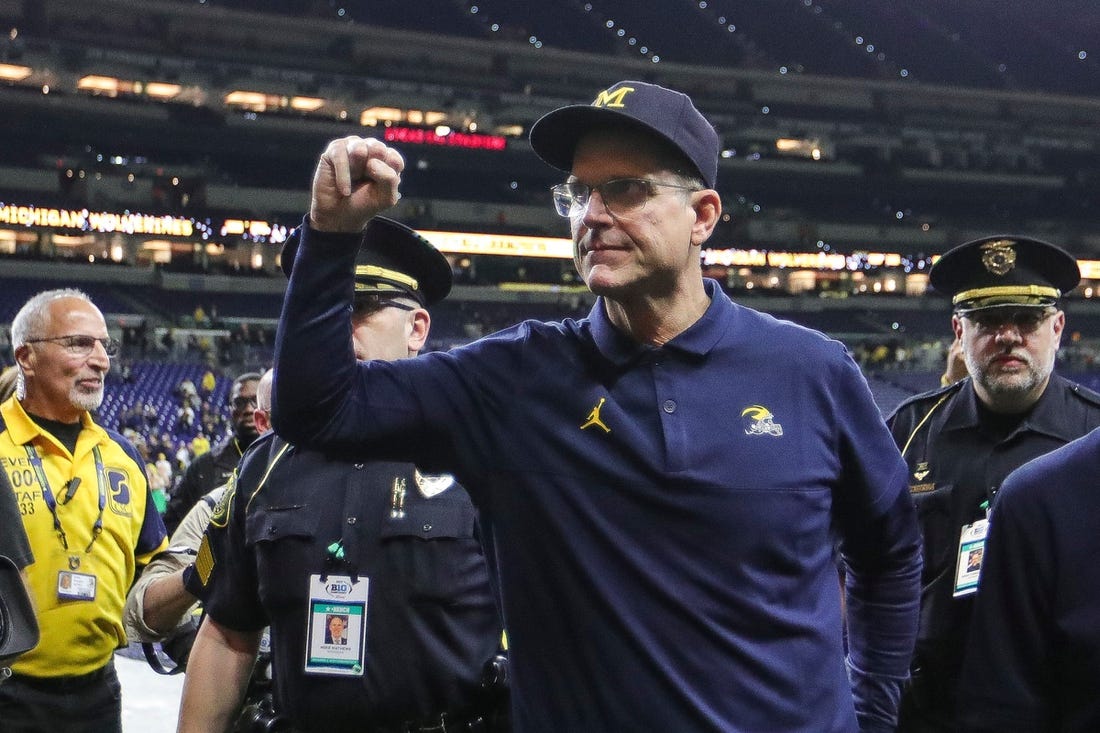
804 148
373 116
113 87
12 72
263 102
306 104
162 90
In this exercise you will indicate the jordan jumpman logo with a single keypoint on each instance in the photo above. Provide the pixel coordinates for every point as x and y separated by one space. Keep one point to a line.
594 417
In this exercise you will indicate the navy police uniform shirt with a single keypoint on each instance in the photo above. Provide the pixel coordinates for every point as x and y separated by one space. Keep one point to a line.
662 519
1034 655
431 618
958 454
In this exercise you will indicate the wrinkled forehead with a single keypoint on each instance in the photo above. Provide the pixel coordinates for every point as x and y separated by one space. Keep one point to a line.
624 151
72 312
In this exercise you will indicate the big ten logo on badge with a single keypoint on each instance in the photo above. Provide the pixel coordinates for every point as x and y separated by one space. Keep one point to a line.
339 587
119 492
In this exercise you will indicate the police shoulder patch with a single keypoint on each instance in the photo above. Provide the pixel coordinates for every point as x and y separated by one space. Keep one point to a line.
220 515
204 561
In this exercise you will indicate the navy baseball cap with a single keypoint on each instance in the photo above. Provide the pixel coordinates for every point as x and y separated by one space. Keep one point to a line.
393 260
1004 270
668 114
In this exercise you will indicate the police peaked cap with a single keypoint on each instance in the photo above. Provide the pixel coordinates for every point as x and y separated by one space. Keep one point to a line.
392 260
1005 270
669 115
18 625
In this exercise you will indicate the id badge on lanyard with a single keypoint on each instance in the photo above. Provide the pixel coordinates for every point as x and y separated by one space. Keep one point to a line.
336 637
72 586
969 559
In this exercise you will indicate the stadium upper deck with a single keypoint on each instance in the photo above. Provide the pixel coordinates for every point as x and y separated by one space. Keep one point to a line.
908 163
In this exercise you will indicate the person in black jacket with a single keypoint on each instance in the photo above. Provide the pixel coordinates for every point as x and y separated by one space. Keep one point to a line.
212 469
370 574
962 440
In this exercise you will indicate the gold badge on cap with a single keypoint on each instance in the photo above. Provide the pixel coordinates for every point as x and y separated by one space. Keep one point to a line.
999 257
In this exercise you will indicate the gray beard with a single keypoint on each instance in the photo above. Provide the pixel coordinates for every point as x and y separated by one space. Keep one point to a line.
1009 385
88 401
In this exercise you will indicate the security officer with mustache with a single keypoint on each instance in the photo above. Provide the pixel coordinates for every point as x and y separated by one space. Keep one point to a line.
960 441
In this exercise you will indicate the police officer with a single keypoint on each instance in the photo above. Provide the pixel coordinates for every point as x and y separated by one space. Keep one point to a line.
302 537
961 441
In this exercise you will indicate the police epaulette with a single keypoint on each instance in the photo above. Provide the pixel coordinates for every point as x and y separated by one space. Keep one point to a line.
932 394
1086 394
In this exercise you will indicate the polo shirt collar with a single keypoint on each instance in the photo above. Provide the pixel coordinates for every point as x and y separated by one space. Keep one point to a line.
23 429
698 340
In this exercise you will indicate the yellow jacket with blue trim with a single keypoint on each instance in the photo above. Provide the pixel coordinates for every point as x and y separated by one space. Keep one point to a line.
78 635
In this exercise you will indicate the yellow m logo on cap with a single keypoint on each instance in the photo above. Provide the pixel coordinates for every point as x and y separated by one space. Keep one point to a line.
609 98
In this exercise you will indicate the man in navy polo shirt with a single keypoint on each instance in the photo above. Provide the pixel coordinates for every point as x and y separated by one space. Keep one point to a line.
664 484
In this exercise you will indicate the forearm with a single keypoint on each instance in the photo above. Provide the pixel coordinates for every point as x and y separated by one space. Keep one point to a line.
217 675
882 604
165 602
135 613
315 320
882 626
355 179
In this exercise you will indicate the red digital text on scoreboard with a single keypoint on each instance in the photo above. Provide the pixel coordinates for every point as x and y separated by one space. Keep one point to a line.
418 136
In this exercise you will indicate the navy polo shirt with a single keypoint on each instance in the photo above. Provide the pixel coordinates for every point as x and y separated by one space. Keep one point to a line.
662 520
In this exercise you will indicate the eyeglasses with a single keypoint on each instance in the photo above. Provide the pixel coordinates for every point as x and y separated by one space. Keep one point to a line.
243 402
1025 321
365 305
81 345
621 196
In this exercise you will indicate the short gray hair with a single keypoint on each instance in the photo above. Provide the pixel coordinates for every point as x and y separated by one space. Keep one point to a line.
263 390
31 318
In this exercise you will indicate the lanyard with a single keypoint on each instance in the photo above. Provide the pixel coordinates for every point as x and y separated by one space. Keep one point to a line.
51 502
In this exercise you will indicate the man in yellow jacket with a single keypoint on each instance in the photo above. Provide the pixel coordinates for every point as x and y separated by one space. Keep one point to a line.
87 510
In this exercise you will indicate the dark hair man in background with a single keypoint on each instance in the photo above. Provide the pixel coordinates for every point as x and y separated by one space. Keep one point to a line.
212 469
661 483
158 604
962 440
